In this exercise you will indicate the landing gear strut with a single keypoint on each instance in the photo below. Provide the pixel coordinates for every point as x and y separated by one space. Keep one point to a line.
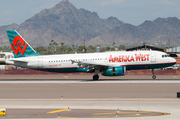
153 76
96 76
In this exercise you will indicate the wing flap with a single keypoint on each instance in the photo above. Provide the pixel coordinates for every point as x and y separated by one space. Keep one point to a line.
91 65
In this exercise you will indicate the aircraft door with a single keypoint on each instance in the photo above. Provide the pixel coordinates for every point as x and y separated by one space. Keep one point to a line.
40 62
153 57
106 60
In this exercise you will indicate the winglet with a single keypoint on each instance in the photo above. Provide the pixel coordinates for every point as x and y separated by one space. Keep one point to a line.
19 46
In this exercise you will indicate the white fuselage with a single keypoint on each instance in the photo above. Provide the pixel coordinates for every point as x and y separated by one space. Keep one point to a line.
132 60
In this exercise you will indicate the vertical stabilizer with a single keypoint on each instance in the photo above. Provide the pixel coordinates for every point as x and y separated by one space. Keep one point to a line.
19 46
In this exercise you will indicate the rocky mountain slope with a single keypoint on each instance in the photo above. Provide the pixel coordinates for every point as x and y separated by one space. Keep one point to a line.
63 23
154 32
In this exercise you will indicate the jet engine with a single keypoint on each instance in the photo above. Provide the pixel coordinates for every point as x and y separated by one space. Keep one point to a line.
115 71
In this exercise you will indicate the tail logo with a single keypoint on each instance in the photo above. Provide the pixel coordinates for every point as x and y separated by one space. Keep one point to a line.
19 45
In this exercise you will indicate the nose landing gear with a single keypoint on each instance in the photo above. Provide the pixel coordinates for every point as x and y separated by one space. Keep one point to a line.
153 76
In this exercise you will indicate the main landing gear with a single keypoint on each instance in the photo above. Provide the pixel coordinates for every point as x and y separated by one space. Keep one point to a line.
96 76
153 76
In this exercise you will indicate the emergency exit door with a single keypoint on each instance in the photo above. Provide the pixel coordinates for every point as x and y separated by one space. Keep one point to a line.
40 62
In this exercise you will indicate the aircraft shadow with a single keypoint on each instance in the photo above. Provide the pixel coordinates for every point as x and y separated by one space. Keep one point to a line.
130 80
89 80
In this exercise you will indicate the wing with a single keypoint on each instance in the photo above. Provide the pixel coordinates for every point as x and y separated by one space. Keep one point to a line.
92 65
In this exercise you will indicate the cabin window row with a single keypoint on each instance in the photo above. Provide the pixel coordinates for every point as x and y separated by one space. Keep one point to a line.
77 60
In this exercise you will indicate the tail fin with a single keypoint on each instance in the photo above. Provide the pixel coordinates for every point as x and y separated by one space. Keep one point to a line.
19 46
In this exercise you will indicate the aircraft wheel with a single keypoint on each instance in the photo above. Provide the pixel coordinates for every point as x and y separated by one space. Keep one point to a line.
95 77
154 77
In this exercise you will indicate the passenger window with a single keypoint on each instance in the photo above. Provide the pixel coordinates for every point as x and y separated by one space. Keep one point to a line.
162 56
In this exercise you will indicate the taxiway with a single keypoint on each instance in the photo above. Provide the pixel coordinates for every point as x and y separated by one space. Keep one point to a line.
38 96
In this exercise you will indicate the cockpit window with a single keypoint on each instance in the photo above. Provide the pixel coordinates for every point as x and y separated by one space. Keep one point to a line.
163 56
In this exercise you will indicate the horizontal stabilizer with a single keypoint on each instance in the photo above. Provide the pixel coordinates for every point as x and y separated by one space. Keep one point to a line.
15 60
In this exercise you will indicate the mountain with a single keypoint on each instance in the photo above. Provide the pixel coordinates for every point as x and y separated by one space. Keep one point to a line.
62 23
154 32
65 23
161 29
3 35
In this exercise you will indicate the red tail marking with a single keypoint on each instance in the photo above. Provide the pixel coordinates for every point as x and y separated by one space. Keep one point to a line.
19 43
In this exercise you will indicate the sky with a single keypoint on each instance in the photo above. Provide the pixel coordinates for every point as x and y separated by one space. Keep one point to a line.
129 11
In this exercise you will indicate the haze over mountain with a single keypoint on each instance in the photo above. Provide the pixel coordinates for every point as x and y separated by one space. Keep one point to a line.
154 32
65 23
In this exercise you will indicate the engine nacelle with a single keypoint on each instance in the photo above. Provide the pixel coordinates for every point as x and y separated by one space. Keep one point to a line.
115 71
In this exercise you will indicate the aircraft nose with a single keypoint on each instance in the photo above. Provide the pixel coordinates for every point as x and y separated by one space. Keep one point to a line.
173 60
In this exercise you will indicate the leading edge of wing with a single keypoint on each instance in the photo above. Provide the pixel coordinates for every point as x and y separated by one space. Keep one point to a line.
92 64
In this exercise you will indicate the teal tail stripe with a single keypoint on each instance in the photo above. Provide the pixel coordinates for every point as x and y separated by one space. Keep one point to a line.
19 46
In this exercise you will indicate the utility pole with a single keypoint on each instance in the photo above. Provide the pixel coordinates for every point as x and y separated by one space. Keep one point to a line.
84 46
168 43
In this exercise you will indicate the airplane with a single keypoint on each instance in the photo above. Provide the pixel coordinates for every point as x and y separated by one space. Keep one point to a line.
108 63
4 56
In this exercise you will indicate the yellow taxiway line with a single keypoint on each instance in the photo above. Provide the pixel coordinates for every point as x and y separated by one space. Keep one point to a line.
122 112
56 111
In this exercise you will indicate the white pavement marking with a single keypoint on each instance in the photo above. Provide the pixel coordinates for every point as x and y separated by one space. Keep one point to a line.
67 81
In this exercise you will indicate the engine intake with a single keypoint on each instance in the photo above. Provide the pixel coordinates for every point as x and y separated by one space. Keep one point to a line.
115 71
